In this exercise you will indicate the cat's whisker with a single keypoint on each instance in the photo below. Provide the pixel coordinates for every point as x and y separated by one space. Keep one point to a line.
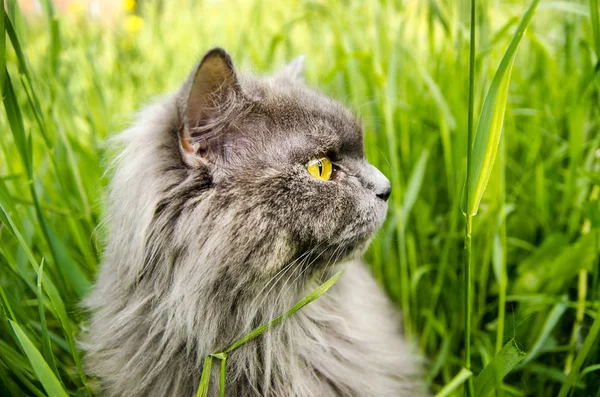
276 278
332 260
306 268
275 307
281 273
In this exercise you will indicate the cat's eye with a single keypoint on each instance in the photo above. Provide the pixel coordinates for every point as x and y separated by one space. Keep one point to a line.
320 168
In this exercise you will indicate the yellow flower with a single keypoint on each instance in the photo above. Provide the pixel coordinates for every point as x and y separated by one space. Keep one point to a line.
129 5
75 7
133 23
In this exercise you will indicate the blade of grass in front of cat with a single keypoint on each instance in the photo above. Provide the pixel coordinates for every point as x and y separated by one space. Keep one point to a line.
314 295
223 375
205 378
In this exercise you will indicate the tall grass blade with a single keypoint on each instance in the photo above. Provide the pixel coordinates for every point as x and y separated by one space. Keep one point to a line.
15 120
467 265
491 119
46 345
43 372
595 26
11 7
24 71
55 44
2 48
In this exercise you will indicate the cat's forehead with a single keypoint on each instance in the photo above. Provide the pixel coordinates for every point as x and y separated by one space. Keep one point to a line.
288 107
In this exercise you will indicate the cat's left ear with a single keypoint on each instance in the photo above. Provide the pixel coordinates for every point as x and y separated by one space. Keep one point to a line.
294 71
213 89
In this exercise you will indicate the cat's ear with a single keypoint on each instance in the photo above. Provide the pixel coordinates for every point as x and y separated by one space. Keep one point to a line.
293 71
212 87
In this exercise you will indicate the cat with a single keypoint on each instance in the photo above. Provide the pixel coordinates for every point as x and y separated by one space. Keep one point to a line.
231 200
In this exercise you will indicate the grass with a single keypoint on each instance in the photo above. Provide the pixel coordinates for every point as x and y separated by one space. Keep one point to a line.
71 81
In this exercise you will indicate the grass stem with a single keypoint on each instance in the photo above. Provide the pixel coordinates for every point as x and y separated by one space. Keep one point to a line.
468 216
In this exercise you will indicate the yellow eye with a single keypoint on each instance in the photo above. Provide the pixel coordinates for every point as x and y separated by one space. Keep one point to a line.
320 168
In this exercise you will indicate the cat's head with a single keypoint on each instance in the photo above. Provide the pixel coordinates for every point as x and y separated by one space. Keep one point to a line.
287 169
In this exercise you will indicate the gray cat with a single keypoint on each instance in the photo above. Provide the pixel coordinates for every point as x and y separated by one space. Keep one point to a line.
231 200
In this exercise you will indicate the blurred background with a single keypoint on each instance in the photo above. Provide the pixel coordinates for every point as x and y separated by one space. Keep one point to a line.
77 71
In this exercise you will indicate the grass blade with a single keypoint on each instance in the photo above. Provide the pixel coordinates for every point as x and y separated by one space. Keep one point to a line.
588 344
493 373
46 345
223 375
24 71
595 26
491 119
414 185
55 44
2 48
23 143
316 294
555 315
455 383
205 377
43 372
15 120
467 264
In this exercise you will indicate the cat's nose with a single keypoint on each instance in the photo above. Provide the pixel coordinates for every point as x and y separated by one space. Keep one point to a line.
384 193
380 185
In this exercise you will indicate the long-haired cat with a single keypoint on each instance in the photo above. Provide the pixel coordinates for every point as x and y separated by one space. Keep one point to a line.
230 201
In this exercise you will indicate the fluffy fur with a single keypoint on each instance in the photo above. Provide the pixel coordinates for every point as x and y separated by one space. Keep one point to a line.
215 227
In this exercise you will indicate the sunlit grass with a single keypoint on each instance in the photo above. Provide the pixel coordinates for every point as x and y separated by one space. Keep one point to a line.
404 68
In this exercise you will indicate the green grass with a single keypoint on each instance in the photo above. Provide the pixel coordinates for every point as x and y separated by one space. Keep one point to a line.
71 81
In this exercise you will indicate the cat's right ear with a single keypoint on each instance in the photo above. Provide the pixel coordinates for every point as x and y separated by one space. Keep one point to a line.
212 86
293 71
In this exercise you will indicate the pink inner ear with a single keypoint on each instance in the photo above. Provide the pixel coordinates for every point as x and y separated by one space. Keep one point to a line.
212 84
214 80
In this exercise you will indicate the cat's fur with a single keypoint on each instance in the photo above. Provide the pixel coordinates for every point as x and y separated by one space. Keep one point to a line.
215 227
